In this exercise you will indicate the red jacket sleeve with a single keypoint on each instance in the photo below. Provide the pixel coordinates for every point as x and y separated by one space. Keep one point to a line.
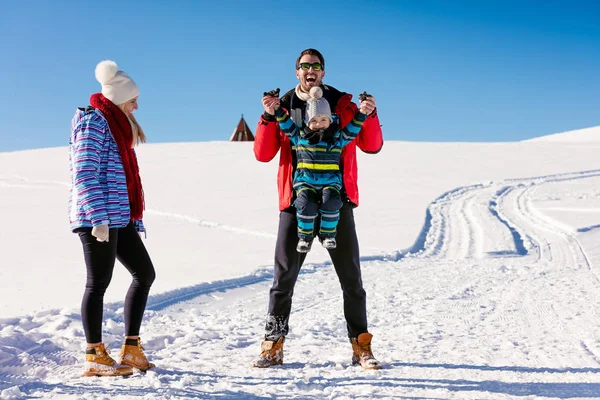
370 138
267 140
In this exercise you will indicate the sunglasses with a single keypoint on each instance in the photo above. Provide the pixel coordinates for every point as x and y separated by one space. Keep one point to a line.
306 66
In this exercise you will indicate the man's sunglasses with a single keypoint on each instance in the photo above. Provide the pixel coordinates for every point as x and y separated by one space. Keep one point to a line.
306 66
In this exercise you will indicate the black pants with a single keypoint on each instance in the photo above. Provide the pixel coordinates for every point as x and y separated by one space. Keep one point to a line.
288 261
125 245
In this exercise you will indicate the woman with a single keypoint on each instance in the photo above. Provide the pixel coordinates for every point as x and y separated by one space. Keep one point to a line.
105 208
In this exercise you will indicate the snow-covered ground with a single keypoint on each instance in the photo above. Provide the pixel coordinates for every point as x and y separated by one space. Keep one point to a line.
481 263
580 135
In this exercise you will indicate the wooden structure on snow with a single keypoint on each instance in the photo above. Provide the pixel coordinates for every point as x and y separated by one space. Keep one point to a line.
242 133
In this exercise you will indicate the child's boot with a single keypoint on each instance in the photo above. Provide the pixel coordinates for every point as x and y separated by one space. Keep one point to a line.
329 243
98 362
132 354
303 246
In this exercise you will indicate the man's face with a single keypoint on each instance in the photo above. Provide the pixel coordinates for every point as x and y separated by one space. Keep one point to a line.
309 78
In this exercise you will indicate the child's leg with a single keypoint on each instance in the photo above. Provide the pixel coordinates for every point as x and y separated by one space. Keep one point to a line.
330 212
306 207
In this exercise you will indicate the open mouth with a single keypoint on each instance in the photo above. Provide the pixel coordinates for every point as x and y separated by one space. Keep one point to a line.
311 79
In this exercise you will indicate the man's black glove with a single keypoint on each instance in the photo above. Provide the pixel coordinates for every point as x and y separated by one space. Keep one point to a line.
361 97
274 93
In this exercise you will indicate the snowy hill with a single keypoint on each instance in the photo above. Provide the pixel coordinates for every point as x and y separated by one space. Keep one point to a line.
480 261
580 135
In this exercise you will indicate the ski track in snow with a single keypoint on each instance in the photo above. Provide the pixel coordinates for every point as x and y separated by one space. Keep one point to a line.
34 184
209 224
424 330
16 181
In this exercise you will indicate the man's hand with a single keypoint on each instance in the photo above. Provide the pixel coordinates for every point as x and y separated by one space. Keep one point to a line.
367 103
100 232
271 101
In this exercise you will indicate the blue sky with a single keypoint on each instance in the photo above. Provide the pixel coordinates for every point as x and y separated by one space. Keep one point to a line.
440 70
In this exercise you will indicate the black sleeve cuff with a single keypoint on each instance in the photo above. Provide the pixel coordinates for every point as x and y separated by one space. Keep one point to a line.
268 117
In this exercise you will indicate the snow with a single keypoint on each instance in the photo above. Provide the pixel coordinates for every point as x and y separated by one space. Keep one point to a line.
481 263
581 135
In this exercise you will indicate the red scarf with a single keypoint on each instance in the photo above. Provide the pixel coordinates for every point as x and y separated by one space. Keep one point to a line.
121 131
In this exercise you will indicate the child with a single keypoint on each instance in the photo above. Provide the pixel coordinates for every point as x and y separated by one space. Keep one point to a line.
318 145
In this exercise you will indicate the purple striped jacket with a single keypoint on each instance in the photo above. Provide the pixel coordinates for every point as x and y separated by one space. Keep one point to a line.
98 192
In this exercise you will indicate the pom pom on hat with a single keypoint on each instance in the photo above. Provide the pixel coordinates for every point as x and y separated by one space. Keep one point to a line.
117 86
315 93
316 105
105 71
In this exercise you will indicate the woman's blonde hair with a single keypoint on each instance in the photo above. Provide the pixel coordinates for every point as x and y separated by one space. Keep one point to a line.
136 129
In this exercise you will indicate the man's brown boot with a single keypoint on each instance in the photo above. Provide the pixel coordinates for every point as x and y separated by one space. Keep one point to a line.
362 354
272 353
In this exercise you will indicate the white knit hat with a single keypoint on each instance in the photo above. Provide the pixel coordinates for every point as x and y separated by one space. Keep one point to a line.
317 105
117 86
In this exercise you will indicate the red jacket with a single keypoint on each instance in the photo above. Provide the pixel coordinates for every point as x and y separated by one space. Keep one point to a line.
269 139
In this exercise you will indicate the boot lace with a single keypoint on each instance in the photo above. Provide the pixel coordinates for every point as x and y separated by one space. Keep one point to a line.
142 355
105 355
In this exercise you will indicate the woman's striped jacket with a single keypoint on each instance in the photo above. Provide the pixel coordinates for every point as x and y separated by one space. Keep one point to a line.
98 186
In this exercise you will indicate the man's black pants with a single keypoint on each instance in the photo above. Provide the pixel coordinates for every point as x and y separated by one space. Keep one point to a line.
346 261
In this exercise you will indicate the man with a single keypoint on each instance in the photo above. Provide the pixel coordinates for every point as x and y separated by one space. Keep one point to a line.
269 139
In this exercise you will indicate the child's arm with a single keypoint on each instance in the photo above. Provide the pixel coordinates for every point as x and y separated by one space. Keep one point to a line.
350 131
286 124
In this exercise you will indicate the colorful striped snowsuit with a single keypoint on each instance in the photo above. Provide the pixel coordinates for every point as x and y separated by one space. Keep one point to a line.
318 178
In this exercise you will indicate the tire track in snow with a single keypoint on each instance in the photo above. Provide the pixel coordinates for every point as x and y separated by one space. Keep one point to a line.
543 250
431 241
561 259
502 223
465 207
518 237
588 228
569 250
454 226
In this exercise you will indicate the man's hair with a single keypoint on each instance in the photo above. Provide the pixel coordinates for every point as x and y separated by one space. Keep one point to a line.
312 52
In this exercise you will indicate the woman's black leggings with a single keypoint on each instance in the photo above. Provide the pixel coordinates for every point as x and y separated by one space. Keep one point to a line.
125 245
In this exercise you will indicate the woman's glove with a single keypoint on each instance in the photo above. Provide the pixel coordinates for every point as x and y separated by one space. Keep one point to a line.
100 232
